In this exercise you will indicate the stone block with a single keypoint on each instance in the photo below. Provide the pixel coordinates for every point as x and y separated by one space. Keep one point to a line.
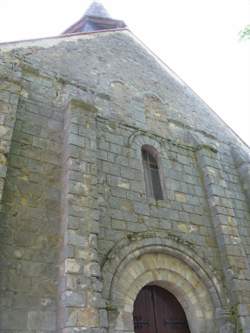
13 320
92 269
103 318
75 299
41 320
83 318
75 239
72 266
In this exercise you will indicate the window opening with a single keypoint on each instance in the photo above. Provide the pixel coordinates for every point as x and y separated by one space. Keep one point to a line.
152 175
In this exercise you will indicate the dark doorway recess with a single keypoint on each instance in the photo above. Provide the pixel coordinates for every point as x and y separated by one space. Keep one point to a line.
158 311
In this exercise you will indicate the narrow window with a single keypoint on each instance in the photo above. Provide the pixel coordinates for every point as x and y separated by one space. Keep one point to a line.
151 173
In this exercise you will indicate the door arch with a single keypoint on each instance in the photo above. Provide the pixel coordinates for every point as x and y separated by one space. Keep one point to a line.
136 262
157 310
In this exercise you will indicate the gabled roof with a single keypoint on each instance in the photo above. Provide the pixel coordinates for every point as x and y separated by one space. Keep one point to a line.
96 18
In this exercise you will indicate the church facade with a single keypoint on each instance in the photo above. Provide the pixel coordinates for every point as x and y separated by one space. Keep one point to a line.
119 187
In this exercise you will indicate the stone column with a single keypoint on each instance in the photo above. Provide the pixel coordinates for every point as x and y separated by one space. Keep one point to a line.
233 256
80 303
9 97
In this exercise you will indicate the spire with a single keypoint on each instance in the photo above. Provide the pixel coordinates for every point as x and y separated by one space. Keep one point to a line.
95 18
96 9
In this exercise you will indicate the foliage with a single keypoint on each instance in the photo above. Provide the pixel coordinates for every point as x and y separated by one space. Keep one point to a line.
245 33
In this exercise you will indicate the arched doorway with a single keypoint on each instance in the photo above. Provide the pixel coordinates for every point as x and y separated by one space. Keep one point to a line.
158 311
169 264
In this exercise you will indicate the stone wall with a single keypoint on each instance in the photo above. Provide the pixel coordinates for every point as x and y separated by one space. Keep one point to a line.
75 217
31 211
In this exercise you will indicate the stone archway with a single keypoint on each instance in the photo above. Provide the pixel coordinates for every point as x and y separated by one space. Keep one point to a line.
170 265
169 273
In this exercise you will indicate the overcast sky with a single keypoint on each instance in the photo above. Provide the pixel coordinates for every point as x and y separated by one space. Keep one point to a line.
198 39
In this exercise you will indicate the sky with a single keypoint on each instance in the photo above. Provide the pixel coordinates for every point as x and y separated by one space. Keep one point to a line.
197 39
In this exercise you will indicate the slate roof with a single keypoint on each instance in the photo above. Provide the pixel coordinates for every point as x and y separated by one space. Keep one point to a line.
96 18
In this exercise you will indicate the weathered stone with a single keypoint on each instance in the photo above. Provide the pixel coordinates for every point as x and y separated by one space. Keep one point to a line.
41 320
78 223
85 317
13 320
72 266
75 239
71 298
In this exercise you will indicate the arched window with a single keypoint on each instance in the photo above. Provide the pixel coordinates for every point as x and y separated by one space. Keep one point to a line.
151 173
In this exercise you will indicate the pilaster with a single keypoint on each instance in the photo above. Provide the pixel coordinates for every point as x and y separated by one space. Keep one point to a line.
233 256
9 97
242 161
80 287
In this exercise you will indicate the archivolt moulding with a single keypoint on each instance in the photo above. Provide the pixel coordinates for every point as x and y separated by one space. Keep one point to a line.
170 264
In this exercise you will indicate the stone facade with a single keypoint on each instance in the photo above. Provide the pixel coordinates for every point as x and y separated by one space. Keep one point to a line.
79 236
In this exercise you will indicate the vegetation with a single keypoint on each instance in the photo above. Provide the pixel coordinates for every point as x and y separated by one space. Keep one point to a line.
245 33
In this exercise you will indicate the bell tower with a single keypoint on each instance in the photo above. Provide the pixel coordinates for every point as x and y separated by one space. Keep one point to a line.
96 18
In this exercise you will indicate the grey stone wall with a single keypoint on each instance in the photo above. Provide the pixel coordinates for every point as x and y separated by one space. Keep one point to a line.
31 211
124 205
74 115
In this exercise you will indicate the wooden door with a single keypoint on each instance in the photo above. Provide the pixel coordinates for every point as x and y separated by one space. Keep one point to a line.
158 311
144 320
